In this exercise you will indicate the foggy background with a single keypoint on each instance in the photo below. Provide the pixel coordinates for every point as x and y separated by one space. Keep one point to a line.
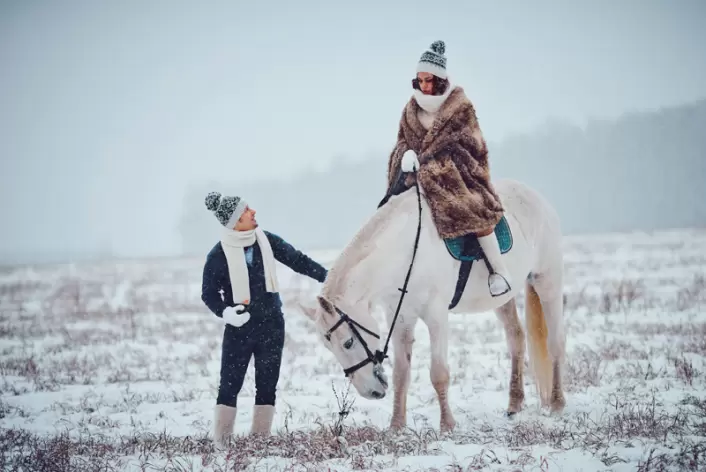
116 118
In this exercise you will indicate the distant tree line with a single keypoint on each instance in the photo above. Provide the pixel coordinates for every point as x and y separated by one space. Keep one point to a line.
643 171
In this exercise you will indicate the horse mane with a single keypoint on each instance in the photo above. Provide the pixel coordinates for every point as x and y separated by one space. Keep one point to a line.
362 245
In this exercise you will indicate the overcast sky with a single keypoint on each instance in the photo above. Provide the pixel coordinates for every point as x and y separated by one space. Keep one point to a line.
109 109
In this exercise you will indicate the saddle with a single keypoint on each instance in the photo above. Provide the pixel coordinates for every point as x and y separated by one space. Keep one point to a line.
464 248
467 249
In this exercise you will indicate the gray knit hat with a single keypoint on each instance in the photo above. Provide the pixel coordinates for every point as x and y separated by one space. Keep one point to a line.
228 210
433 60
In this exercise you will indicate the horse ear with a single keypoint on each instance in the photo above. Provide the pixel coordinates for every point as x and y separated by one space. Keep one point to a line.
326 305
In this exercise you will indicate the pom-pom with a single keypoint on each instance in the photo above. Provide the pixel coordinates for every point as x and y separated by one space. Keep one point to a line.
212 200
438 47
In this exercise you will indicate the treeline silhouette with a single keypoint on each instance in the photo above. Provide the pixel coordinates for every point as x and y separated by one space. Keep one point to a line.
642 171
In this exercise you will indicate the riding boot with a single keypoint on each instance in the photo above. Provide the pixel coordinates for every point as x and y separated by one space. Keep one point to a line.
499 278
223 420
262 419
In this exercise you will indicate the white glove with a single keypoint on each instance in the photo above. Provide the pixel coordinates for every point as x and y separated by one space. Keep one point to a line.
409 161
236 316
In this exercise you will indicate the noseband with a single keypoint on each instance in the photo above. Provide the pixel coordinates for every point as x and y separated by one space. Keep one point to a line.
375 357
378 356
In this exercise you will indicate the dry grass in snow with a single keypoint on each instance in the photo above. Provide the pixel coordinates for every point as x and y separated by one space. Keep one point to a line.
114 366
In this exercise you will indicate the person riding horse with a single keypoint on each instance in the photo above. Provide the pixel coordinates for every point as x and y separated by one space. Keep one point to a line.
441 147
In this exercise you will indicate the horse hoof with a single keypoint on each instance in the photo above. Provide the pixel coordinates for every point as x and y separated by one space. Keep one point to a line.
447 428
396 427
557 406
510 414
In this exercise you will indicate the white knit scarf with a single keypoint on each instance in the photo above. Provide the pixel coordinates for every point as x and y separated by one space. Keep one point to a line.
234 244
430 105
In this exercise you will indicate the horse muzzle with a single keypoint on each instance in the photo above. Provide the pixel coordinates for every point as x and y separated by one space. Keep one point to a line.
380 376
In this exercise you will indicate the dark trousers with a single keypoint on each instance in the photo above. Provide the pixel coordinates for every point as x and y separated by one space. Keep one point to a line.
265 343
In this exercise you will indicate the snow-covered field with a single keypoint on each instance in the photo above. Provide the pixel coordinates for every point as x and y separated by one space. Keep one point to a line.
114 366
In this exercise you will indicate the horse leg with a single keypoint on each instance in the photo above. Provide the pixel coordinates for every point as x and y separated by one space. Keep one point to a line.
402 341
515 338
438 338
544 297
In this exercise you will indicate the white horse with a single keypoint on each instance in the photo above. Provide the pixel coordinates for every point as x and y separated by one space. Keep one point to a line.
372 269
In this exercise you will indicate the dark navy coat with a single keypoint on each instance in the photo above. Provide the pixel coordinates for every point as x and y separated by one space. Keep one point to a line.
263 304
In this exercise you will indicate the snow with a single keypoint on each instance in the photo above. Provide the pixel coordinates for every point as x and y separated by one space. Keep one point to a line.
121 352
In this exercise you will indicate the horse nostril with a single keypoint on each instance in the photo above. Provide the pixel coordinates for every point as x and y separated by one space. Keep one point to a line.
382 378
377 395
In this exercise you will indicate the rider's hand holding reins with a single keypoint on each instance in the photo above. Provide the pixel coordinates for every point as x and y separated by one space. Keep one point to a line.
409 161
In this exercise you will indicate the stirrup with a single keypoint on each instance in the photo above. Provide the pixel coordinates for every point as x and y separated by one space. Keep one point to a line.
507 284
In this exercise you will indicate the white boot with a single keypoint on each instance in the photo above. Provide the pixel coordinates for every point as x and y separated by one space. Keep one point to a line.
223 420
499 278
262 419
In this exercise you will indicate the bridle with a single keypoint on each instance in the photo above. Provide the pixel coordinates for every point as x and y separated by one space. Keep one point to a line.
375 357
378 356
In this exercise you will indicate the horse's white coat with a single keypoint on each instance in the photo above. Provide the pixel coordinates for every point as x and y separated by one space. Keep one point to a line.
372 268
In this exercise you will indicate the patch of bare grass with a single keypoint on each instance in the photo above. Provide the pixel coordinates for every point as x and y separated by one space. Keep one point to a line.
624 295
629 420
690 457
125 323
694 295
584 368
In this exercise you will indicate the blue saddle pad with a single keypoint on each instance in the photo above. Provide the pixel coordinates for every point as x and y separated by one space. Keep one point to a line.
467 248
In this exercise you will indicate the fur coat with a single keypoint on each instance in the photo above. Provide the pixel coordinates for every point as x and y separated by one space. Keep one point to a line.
453 166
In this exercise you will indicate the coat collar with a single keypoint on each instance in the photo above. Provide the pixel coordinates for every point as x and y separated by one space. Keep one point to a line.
420 139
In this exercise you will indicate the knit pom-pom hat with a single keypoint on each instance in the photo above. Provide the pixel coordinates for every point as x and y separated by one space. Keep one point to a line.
433 60
228 210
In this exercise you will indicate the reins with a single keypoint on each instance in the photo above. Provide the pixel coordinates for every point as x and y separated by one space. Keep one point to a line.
378 356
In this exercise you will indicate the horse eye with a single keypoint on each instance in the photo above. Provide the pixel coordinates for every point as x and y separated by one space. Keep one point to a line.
348 344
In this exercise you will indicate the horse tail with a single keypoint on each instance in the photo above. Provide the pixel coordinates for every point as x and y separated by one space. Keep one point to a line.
540 362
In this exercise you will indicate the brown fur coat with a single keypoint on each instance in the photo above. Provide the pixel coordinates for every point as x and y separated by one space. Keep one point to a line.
453 160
